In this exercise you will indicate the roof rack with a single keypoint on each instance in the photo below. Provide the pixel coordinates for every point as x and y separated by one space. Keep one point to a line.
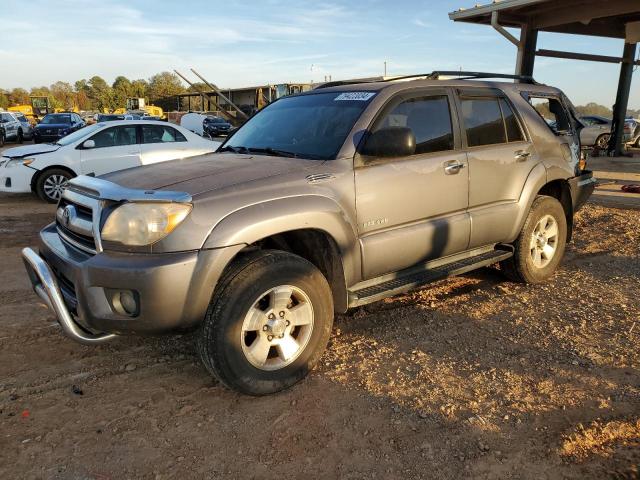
435 75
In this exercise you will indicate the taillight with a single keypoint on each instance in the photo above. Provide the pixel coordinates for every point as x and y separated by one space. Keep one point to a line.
582 163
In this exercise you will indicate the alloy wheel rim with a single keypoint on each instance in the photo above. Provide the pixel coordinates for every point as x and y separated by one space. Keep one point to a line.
277 328
54 186
544 241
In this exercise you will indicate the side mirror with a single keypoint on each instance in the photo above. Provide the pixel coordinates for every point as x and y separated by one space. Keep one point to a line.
89 144
390 142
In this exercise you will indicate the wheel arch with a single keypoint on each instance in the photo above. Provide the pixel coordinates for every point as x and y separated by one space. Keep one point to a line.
561 191
39 173
312 227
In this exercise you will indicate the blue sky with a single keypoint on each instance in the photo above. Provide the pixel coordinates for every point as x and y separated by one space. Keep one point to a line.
240 43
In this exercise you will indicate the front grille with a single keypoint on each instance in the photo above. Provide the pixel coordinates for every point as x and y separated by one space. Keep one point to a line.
76 229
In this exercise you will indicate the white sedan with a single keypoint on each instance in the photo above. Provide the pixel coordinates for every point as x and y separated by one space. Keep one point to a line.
96 150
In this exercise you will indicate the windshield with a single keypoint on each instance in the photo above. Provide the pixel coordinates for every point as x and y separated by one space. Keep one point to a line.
307 126
56 118
214 120
78 134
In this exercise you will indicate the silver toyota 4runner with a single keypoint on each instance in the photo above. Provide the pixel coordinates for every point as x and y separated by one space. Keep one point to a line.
322 201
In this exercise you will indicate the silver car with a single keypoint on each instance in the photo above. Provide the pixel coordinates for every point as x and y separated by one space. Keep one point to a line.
12 127
596 131
27 128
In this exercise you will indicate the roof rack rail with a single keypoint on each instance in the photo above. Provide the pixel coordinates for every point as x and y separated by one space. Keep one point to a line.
338 83
436 74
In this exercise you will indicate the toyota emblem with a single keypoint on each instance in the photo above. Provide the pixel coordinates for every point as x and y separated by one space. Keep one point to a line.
67 213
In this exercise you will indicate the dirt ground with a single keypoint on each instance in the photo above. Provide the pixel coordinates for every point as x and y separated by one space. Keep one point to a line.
475 377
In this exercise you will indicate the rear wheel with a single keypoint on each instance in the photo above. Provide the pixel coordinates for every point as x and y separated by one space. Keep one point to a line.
268 323
602 141
51 184
540 246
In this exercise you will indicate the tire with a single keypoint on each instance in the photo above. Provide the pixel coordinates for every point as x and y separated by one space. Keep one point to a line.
35 140
253 353
532 261
20 138
2 139
49 184
602 142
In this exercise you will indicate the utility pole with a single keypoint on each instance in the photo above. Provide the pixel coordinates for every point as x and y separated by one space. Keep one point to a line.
385 68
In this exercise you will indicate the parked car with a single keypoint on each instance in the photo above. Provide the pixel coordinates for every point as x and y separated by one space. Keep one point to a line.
596 131
322 201
631 135
27 128
109 117
54 126
216 126
12 127
95 150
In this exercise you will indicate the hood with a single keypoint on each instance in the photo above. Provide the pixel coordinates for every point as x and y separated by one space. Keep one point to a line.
35 149
45 126
208 172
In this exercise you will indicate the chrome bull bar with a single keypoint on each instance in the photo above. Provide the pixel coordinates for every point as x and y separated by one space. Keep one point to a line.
46 287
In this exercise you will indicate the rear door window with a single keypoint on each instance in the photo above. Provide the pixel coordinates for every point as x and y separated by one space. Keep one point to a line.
483 121
161 134
514 130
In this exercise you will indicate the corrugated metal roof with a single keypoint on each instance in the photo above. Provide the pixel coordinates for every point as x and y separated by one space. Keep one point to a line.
496 5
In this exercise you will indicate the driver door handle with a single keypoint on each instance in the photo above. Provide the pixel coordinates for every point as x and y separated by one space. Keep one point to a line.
453 167
522 155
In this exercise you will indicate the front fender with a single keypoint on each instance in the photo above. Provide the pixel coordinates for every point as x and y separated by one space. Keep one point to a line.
255 222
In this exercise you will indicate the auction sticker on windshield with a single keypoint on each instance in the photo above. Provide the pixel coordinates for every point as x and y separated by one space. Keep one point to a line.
358 96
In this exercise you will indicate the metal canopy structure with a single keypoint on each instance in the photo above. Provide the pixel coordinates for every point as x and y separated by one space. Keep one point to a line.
599 18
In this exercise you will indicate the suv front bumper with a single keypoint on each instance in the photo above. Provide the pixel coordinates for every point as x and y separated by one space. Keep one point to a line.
173 289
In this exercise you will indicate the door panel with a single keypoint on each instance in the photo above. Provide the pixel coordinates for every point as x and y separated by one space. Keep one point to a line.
116 149
161 143
414 209
500 159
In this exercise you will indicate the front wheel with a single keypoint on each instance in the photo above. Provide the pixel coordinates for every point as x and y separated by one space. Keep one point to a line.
267 324
602 142
51 184
20 137
1 139
540 246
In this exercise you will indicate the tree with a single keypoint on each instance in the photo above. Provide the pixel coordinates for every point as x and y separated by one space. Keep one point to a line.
63 95
139 88
122 89
18 96
100 93
4 99
162 85
593 108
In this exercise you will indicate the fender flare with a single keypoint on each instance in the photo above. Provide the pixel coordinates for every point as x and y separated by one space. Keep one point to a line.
255 222
535 181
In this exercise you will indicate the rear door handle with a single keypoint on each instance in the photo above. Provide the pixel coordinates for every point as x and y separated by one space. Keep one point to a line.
453 167
522 155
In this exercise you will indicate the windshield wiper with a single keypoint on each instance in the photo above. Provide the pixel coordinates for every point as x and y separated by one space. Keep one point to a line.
229 148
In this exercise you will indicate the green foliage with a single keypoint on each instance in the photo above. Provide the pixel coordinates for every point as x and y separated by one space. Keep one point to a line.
164 85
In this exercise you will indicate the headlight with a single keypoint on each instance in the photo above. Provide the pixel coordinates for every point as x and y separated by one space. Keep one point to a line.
19 161
138 223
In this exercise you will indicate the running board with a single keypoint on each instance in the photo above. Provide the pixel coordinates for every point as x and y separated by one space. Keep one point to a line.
416 279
